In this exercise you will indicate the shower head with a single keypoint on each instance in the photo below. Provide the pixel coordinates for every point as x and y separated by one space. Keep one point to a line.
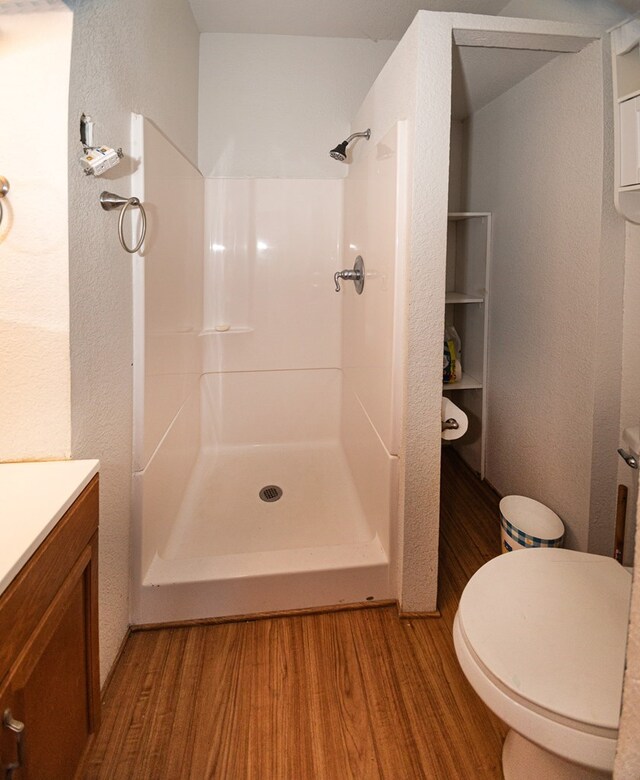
340 151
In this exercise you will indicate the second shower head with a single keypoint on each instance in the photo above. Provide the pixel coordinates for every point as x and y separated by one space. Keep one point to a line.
340 151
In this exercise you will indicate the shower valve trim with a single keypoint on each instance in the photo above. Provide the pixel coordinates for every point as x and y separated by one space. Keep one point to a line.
355 274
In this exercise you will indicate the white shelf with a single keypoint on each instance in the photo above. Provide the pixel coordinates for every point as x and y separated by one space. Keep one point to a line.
467 281
456 216
467 382
629 96
234 329
458 297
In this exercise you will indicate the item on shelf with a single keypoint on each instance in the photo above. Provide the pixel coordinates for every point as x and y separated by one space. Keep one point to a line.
452 362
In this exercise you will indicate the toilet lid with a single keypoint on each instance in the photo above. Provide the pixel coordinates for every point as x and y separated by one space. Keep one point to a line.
551 625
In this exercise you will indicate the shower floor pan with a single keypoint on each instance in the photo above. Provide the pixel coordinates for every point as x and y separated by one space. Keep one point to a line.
231 553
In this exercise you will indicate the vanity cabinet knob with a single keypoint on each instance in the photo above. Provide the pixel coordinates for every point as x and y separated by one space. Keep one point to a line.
17 727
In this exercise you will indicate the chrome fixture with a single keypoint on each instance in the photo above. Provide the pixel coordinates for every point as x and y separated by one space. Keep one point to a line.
629 458
4 190
450 424
109 201
95 160
340 152
356 275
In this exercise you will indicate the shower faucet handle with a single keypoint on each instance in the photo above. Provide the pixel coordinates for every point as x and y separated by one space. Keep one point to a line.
356 275
346 274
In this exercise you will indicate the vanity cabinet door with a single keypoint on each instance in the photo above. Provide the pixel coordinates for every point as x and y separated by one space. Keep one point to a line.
52 686
47 690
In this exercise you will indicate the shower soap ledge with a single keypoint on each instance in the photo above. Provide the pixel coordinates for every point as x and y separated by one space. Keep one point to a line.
224 330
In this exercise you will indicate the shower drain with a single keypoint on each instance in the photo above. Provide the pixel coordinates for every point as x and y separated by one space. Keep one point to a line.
270 493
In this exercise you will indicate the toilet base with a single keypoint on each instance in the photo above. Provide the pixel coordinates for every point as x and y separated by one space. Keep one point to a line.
522 760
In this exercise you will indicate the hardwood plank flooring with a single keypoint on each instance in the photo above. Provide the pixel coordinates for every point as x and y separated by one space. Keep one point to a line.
353 694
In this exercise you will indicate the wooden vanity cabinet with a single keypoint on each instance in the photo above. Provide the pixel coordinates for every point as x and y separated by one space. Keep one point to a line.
49 676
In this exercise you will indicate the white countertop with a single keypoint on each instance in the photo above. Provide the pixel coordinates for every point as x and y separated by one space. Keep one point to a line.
33 497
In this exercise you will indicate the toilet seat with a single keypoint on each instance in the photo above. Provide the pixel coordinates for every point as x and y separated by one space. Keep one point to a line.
541 636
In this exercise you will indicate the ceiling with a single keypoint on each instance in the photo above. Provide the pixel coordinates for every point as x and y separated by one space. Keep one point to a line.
373 19
382 19
480 75
633 6
30 6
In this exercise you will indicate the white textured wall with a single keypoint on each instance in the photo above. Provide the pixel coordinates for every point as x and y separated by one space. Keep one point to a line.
628 758
34 298
629 404
541 174
627 764
415 85
148 64
272 106
456 164
608 349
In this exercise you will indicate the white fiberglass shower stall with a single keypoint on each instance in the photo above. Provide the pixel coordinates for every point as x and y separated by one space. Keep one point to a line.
251 372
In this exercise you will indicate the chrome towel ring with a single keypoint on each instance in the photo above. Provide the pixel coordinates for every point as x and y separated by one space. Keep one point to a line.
4 189
109 201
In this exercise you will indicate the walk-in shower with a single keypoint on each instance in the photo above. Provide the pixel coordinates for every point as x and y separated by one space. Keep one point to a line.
254 381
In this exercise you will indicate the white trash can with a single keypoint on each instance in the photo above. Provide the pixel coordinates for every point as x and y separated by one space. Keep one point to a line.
526 523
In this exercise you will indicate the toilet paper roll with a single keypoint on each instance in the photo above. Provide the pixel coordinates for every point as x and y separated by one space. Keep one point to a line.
450 411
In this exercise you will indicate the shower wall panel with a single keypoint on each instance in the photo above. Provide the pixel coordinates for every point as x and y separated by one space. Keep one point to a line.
253 408
372 336
271 249
167 287
167 311
159 489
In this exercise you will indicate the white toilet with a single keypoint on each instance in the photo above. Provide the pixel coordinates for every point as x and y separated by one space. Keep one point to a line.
541 636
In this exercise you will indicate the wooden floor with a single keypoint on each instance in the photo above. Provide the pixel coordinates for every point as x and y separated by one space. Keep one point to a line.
357 694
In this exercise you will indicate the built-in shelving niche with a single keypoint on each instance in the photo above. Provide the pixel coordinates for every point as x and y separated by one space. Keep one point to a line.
625 53
466 307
